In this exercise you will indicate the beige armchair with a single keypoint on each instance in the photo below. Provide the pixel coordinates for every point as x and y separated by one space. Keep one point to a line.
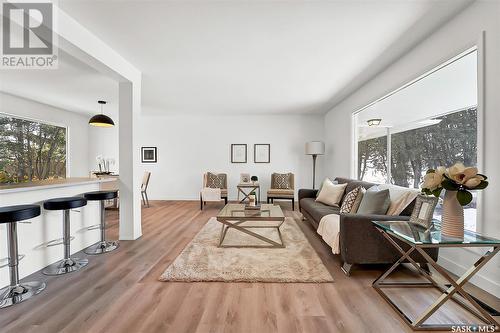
282 188
213 180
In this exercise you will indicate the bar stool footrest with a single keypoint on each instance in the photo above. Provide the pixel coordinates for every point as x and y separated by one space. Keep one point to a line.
6 260
57 241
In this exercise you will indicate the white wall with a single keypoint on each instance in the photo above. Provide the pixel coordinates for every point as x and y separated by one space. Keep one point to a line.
77 125
188 146
454 37
104 141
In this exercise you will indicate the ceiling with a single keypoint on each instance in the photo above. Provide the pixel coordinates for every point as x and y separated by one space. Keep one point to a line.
447 89
237 57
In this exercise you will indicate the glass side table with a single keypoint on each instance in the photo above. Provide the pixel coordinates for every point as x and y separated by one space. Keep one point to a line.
418 238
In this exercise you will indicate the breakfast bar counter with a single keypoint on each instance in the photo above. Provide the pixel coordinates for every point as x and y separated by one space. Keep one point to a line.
39 238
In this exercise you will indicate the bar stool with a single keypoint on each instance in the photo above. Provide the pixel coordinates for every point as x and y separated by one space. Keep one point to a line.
17 292
103 246
68 264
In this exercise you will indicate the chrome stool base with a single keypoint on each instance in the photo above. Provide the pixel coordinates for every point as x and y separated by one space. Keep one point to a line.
16 294
65 266
102 247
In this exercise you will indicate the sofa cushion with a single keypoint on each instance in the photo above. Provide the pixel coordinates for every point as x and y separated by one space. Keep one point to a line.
401 197
375 202
352 200
274 192
316 209
281 181
216 180
352 184
331 194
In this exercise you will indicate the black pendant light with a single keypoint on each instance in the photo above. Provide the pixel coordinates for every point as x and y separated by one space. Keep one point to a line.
101 120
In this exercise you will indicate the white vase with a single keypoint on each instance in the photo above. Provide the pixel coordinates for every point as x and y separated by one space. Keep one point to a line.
452 223
251 200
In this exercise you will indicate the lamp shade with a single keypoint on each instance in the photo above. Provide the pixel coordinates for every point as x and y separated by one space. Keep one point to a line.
315 148
101 120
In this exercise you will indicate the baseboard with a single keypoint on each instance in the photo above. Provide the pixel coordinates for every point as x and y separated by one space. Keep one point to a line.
478 280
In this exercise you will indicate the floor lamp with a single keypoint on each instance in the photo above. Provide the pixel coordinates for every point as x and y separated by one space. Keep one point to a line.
315 148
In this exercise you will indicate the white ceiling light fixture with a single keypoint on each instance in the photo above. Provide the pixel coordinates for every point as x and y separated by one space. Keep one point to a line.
374 122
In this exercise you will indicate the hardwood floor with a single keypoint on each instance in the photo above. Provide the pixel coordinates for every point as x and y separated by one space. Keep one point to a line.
119 291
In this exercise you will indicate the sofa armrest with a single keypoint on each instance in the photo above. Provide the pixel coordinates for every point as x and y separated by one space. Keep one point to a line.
307 193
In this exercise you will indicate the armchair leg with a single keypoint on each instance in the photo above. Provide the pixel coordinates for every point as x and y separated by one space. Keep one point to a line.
201 203
346 268
293 204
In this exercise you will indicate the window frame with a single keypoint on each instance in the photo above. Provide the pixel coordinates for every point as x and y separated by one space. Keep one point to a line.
475 46
46 122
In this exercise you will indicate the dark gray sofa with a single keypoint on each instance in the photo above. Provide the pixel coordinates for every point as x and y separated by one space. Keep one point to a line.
360 242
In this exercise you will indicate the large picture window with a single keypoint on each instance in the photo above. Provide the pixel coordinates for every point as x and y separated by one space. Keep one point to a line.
31 150
429 123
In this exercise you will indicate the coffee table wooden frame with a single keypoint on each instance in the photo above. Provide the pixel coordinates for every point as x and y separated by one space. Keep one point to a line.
236 223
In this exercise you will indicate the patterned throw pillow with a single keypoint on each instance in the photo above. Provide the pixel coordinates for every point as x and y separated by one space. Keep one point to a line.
350 201
282 181
216 181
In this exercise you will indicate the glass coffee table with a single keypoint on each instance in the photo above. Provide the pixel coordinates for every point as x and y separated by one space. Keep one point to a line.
244 220
419 238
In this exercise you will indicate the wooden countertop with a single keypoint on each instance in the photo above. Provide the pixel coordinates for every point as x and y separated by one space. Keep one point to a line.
51 183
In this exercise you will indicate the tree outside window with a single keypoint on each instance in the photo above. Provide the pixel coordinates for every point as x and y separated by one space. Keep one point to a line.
31 150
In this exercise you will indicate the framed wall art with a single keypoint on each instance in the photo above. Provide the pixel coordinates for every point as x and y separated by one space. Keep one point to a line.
262 153
239 153
149 155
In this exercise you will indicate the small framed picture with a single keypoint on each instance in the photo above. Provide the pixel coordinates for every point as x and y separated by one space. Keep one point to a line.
239 153
424 210
262 153
149 155
244 178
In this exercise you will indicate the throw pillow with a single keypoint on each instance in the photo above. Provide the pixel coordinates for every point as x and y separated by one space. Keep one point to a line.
282 181
349 200
216 180
401 197
360 196
321 186
330 193
375 202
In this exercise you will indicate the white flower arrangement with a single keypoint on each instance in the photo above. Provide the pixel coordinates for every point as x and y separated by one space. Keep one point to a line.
456 178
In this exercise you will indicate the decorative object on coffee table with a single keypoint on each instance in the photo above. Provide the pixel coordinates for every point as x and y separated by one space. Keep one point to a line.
424 210
254 179
149 154
262 153
458 181
239 153
315 148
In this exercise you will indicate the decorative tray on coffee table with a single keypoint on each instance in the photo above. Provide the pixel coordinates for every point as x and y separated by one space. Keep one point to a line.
248 207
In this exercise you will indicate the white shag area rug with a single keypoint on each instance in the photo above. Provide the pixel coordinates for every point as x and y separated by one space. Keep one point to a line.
202 260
